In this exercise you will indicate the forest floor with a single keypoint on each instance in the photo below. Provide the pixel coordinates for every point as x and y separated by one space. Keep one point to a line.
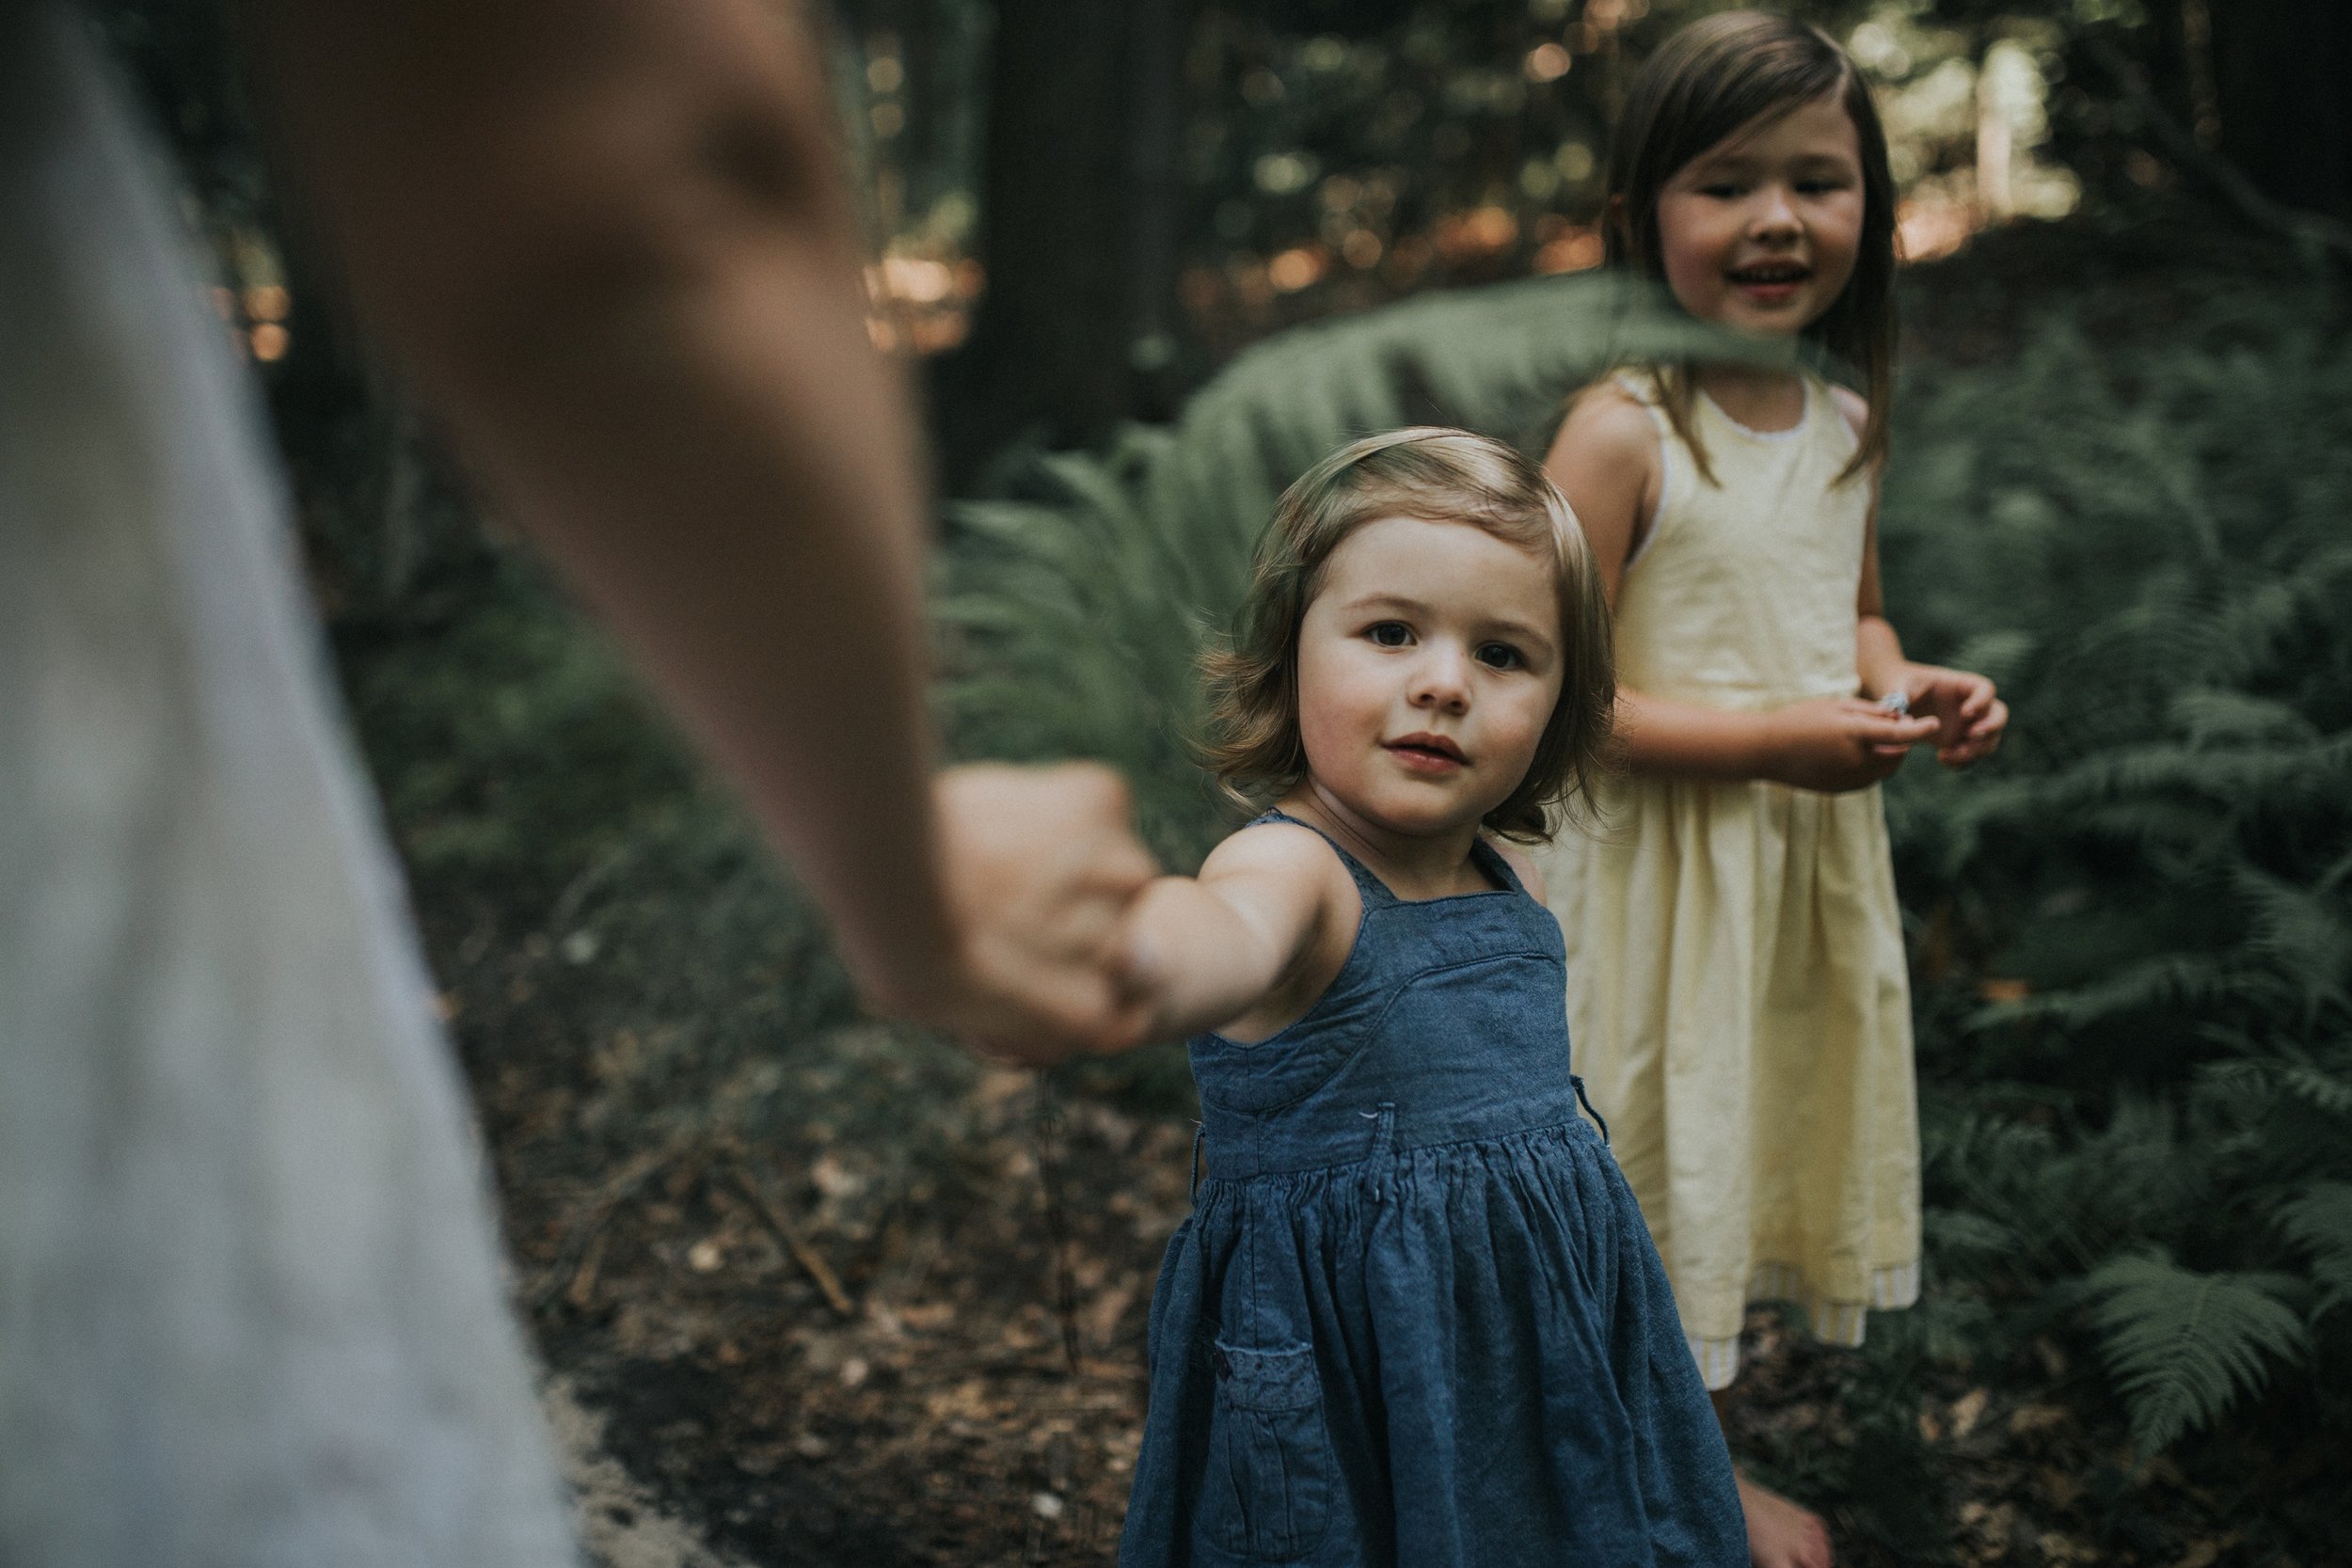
775 1337
759 1362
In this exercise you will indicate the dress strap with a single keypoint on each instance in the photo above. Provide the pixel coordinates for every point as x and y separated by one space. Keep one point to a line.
1496 865
1372 888
1485 856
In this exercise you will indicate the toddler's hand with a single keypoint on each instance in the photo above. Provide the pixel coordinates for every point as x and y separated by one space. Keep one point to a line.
1833 744
1968 715
1041 868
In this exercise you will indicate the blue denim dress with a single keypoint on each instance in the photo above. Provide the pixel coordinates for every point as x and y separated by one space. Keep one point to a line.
1415 1318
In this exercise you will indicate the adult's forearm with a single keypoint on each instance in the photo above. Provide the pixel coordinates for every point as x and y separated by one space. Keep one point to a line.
607 239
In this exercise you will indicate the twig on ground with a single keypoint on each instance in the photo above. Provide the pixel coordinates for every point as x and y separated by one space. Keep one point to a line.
1057 1218
772 1215
573 1274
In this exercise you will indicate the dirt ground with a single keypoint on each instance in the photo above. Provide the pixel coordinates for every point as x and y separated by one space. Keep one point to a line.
773 1345
754 1366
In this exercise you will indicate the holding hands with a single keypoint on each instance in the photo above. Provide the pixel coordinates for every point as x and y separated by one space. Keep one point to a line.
1040 867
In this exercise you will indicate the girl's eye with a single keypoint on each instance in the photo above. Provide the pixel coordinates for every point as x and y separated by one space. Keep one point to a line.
1721 191
1500 656
1388 634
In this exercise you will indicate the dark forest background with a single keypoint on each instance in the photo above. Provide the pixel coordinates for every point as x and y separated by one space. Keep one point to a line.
846 1297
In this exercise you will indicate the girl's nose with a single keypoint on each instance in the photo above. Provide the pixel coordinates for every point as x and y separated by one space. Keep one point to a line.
1774 215
1441 680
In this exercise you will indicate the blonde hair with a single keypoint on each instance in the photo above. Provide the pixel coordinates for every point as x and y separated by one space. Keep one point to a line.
1705 83
1254 746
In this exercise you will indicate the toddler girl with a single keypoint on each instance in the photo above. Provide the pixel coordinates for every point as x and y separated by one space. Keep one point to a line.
1414 1318
1735 951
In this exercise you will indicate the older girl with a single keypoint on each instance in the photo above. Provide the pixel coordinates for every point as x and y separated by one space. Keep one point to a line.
1735 950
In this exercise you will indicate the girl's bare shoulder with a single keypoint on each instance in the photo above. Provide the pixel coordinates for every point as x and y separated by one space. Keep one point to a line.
1287 854
1853 405
1607 423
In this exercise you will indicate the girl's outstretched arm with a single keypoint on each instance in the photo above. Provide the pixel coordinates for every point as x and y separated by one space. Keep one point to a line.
1606 461
1248 943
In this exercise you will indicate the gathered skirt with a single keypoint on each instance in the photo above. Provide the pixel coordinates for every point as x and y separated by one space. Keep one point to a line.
1738 996
1458 1356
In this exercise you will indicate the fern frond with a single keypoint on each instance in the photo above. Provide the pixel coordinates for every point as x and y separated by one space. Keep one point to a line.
2183 1346
1075 611
2315 1085
2305 933
2211 716
2320 1222
2196 981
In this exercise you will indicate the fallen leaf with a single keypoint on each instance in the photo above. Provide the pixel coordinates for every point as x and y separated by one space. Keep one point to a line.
2205 1553
924 1317
1966 1411
2060 1486
1100 1317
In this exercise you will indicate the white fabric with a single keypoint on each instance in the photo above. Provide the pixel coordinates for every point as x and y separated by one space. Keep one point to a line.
251 1314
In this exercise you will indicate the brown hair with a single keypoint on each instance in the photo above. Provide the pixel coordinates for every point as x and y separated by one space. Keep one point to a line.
1705 83
1442 476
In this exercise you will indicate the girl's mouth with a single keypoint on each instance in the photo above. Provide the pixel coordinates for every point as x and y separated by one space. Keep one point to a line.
1427 753
1769 280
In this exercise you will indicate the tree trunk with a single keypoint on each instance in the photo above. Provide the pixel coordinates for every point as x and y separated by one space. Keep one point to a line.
2280 69
1079 214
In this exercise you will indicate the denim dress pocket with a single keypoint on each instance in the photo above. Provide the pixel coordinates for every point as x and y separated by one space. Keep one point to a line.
1266 1497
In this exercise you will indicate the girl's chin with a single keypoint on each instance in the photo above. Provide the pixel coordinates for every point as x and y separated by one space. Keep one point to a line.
1428 819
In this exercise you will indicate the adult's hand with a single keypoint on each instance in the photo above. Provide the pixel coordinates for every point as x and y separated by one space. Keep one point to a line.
1040 866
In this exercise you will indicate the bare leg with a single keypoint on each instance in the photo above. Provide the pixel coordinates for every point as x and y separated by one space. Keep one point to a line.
1780 1533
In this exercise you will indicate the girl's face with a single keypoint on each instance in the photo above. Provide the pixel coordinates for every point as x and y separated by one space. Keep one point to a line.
1759 231
1428 665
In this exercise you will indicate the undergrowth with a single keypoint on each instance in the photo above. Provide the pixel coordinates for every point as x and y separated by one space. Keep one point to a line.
2132 931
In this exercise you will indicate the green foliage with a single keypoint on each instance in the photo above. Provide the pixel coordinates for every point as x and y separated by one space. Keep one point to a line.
2146 542
2135 926
1098 579
2320 1223
2183 1346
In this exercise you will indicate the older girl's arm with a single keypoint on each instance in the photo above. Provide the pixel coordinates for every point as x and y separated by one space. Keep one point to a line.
1606 462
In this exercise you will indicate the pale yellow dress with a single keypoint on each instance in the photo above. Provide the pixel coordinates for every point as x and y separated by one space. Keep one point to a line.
1737 997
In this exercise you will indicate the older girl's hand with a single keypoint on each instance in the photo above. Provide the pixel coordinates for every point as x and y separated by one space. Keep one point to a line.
1968 714
1835 744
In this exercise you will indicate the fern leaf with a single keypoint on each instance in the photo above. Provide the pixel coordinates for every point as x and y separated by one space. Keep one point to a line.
1074 613
2184 1347
2320 1222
